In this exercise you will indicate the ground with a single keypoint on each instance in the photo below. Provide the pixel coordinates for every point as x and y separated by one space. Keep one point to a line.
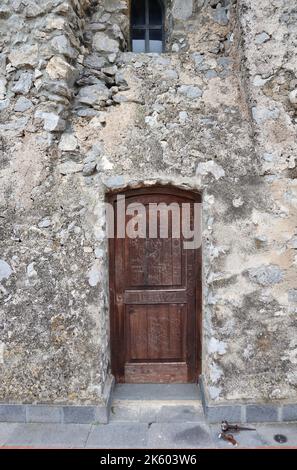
137 435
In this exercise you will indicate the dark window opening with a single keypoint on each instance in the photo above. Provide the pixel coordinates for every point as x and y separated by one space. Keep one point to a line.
147 26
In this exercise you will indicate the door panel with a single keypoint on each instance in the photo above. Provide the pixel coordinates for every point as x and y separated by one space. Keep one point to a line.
156 332
155 293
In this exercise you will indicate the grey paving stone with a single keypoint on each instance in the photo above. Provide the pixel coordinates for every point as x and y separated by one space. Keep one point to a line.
84 414
172 414
118 436
261 413
289 413
268 431
179 436
12 413
49 435
6 429
216 414
156 392
245 439
44 414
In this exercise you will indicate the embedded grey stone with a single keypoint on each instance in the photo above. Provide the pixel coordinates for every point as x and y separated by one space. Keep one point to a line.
220 15
89 168
261 239
99 253
115 182
3 83
261 114
259 81
224 62
293 98
110 71
68 142
261 38
292 295
86 112
3 59
53 122
182 9
23 104
33 10
95 152
24 55
95 61
17 5
5 12
45 223
112 57
95 273
31 272
170 74
190 91
120 80
94 95
61 44
237 202
69 168
211 167
24 83
211 74
4 104
266 275
103 43
198 59
114 6
183 117
16 125
5 270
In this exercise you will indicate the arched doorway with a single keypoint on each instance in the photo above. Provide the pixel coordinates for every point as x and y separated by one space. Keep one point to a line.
155 287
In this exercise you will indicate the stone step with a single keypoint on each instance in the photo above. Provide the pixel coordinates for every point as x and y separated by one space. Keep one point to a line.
157 403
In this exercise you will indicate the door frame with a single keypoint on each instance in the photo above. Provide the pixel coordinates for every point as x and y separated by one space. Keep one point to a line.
117 340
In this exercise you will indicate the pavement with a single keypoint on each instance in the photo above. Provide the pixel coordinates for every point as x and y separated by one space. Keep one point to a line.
150 416
139 435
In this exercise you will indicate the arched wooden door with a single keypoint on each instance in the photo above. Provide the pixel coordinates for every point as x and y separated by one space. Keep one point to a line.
155 299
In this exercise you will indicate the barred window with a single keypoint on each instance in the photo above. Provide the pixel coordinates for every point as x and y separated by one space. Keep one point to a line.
147 26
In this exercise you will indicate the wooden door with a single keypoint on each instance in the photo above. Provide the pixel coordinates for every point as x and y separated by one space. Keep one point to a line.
155 294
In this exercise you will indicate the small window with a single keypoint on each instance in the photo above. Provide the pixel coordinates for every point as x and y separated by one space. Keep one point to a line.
147 28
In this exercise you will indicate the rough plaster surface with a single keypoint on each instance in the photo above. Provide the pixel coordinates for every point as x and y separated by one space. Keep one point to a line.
81 116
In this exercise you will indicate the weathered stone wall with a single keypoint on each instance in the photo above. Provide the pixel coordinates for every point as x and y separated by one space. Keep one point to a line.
81 116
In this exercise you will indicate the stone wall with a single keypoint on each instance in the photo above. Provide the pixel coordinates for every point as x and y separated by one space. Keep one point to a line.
80 116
